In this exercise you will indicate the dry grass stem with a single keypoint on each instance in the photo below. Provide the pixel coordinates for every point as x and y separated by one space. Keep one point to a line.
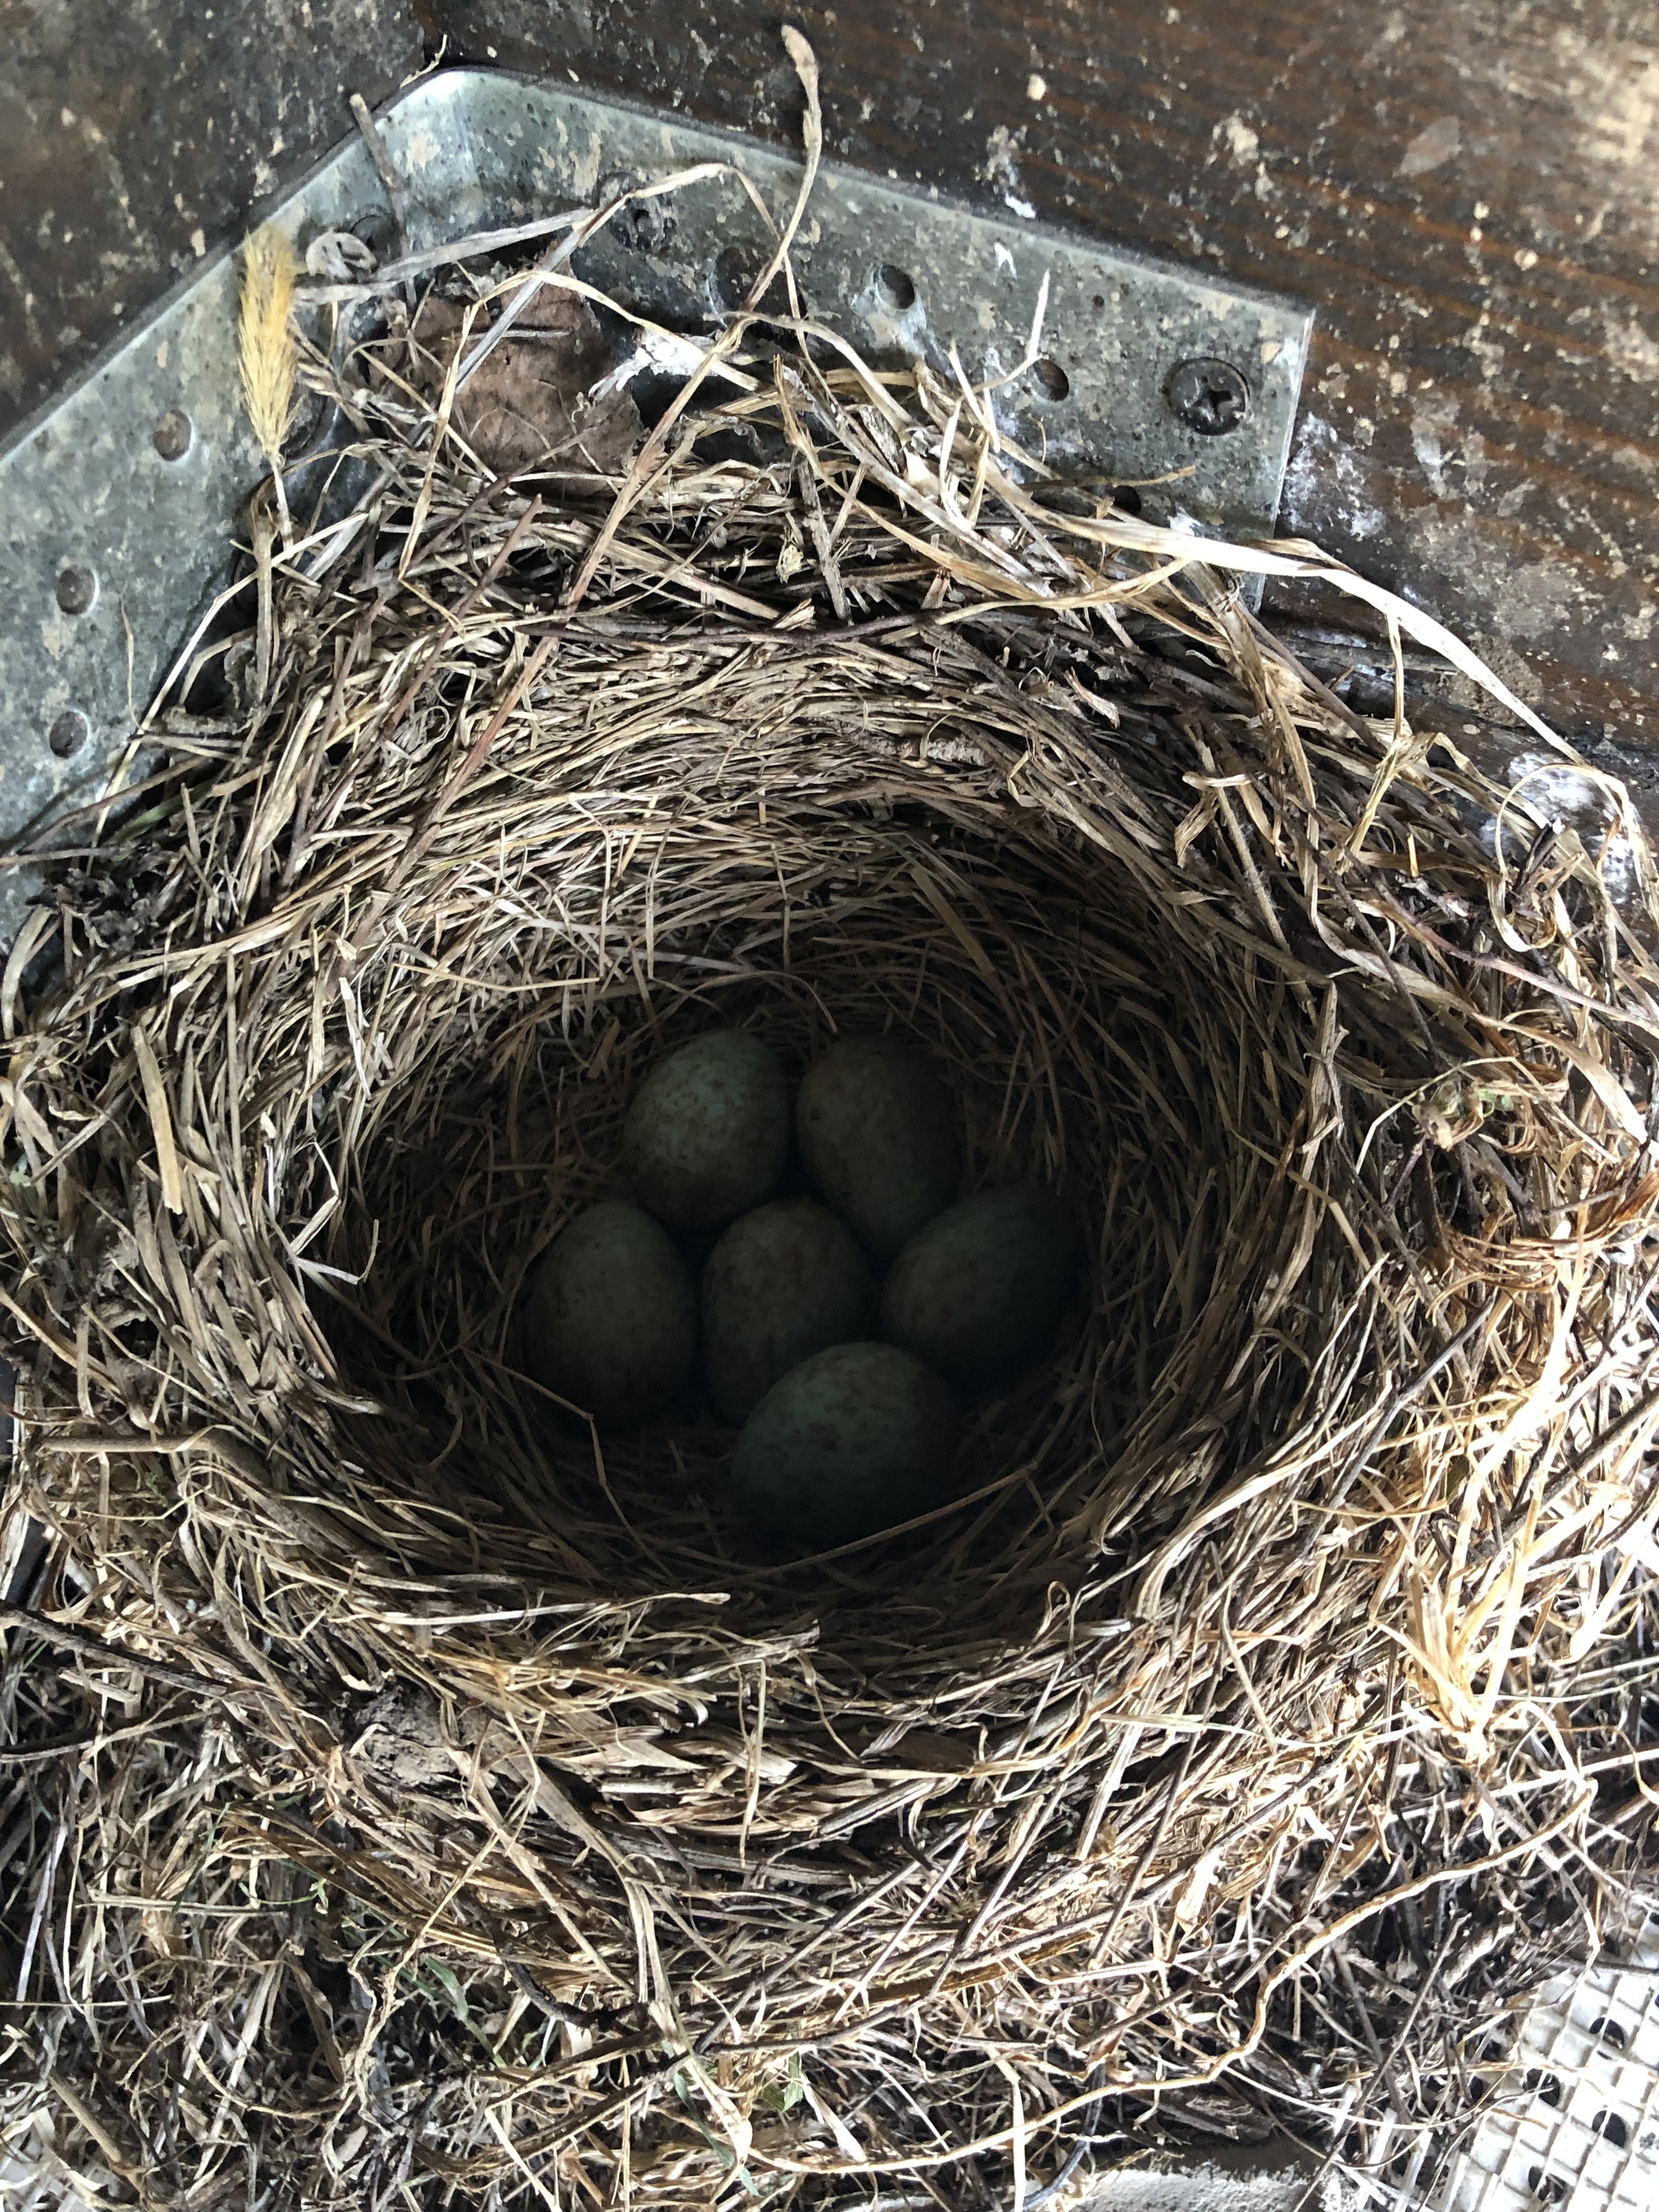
1273 1708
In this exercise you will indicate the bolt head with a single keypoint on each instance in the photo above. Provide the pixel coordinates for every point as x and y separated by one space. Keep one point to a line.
1209 395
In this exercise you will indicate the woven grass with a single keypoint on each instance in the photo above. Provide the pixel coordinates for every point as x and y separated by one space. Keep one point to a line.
417 1801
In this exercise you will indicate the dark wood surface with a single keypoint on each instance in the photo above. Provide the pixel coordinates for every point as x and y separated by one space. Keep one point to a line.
137 135
1466 191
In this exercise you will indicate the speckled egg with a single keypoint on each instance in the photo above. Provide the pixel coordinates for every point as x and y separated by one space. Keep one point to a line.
708 1136
856 1439
785 1281
979 1292
611 1320
878 1136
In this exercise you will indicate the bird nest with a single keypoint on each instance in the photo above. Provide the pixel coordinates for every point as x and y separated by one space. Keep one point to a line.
419 1799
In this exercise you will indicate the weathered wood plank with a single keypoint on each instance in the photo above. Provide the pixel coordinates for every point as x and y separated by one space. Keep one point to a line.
137 135
1465 192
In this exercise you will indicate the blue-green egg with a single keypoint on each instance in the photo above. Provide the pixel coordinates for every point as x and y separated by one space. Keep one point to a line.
611 1320
708 1135
878 1136
856 1439
787 1280
979 1293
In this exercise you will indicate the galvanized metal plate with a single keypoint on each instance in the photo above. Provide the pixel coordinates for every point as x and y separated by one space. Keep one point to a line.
121 506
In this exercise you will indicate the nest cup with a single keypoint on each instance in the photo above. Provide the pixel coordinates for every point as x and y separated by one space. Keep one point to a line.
545 1833
1081 1055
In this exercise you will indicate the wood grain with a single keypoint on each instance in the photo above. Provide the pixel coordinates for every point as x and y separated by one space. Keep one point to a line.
138 135
1464 189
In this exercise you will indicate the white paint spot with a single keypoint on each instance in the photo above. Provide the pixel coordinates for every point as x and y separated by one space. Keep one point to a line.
1609 87
1004 258
1435 144
1520 601
1326 484
199 242
1526 258
998 168
1622 119
1243 143
1629 349
422 149
585 171
1427 425
1036 87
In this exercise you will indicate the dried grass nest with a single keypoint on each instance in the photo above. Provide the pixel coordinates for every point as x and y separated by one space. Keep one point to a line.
412 1802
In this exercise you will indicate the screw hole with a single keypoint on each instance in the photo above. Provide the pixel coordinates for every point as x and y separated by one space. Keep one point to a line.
1050 379
377 227
1547 2187
77 589
1100 299
1547 2086
1610 2032
172 434
69 732
642 226
1126 499
1612 2127
896 287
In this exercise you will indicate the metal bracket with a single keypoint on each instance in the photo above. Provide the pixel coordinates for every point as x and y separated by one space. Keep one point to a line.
122 504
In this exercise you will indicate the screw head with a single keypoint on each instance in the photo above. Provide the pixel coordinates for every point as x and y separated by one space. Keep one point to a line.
172 435
77 589
1208 396
69 732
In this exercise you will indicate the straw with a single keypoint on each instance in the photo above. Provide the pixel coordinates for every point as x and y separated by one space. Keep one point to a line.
1267 1713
